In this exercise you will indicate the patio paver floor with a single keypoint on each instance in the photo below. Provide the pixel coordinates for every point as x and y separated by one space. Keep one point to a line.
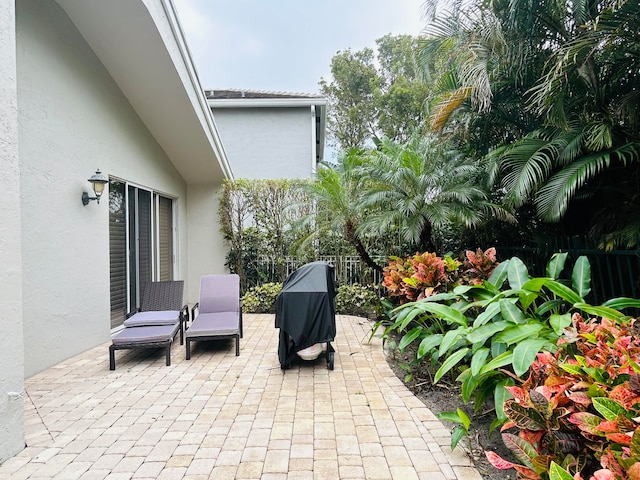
218 416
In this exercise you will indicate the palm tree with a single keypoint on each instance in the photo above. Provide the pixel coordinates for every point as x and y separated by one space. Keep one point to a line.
552 90
423 184
587 153
480 69
337 193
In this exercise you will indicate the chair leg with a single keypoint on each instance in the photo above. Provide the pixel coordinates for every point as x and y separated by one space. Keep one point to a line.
112 358
188 344
167 351
237 345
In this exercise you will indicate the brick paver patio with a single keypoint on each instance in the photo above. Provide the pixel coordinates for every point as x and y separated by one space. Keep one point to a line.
218 416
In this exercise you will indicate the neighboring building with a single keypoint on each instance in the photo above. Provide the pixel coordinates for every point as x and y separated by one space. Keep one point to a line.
90 84
270 134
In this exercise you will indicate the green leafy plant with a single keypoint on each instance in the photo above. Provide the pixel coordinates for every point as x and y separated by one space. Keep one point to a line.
487 335
357 300
261 299
451 270
461 430
578 413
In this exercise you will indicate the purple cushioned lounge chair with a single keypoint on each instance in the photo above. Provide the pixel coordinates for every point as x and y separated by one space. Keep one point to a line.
150 336
219 314
156 322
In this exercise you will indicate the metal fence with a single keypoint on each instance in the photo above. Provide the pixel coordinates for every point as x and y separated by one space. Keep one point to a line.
348 269
613 274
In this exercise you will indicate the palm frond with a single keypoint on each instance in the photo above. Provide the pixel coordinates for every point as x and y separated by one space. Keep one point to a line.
447 106
627 235
527 164
599 136
553 198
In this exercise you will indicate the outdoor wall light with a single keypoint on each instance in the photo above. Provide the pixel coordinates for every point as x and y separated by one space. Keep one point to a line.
98 181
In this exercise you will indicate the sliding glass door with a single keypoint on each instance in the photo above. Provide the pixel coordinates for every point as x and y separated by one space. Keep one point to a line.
166 255
118 251
141 230
140 242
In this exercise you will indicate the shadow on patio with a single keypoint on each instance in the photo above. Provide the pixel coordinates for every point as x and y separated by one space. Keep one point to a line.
225 417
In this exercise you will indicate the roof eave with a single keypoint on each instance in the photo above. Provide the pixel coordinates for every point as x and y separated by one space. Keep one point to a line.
142 46
266 102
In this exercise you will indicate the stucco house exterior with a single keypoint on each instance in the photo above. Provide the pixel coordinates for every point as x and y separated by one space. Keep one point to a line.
86 85
270 135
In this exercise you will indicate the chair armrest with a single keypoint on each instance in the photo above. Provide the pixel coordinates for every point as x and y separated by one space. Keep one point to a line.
193 311
132 313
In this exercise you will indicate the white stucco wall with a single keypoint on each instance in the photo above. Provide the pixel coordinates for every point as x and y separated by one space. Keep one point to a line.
11 343
72 120
267 143
206 248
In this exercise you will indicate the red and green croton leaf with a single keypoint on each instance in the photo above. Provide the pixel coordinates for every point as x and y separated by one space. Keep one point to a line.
523 417
579 409
502 464
587 422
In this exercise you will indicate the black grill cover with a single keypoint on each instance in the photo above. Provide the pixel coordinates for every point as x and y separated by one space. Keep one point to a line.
305 310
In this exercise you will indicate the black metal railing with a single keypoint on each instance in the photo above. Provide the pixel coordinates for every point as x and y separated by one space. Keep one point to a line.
614 273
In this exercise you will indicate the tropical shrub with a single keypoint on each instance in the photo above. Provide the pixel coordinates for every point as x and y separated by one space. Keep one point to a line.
489 334
478 266
428 274
420 276
578 413
394 275
356 300
261 299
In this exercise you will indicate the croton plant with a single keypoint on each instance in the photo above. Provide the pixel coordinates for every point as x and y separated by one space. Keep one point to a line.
425 274
479 265
577 416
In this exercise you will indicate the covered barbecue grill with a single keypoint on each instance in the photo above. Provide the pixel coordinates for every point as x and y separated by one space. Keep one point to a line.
306 313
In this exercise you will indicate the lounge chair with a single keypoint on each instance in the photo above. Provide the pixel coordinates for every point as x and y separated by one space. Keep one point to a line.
155 323
219 313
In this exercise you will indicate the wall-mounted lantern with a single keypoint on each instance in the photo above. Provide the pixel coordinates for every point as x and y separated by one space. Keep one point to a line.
98 181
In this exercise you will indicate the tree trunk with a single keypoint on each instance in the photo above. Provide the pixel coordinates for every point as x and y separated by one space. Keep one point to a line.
426 242
360 248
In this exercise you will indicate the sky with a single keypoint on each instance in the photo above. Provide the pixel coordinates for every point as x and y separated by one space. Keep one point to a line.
285 45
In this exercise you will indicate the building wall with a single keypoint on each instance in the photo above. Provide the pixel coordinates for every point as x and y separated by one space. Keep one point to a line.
267 143
206 248
11 343
72 120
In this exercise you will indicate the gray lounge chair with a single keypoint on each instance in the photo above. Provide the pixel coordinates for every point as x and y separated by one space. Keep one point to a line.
219 311
156 323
